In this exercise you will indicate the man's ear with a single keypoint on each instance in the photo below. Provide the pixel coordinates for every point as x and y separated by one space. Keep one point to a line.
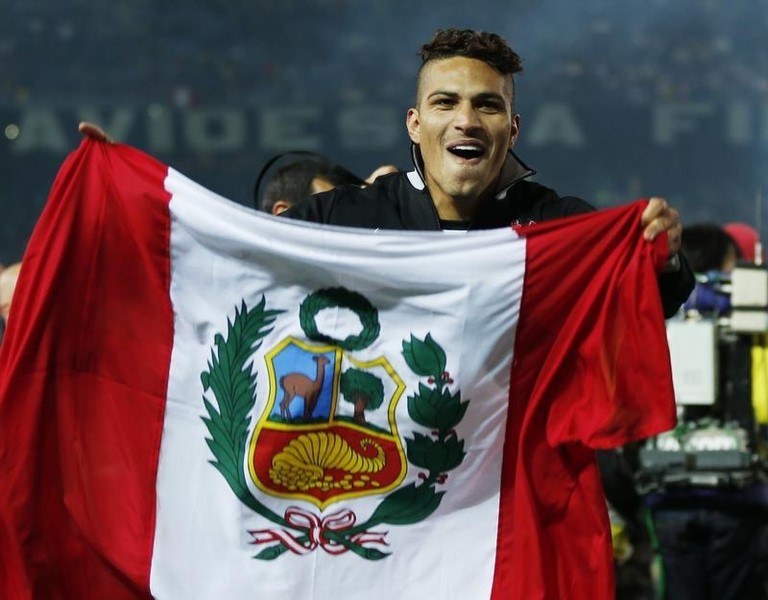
515 131
414 125
280 206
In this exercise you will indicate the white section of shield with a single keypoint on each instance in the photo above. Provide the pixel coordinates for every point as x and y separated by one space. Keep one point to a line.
463 289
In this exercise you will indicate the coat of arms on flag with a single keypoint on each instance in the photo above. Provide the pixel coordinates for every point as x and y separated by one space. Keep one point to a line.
329 431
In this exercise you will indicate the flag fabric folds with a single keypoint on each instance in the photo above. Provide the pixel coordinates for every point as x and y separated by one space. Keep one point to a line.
198 401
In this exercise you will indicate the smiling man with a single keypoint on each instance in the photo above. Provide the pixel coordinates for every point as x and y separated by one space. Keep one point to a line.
463 128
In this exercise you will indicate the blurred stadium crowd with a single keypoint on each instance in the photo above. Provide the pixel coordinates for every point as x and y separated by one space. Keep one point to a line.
611 62
132 51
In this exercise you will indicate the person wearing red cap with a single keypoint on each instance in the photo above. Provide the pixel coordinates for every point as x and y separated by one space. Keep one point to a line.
747 240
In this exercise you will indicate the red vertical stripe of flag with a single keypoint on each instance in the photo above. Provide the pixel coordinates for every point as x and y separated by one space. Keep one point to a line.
591 370
83 374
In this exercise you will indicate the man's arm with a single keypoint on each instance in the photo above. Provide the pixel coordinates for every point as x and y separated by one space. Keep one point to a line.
676 285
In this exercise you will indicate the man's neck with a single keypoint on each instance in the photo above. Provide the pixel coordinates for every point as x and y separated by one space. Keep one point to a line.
452 208
455 209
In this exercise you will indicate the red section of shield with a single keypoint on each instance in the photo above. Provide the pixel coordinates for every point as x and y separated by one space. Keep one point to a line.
310 472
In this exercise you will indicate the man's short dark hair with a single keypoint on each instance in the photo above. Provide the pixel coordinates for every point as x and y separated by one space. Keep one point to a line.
490 48
481 45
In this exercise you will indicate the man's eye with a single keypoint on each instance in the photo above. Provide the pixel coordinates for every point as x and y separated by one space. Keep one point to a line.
444 102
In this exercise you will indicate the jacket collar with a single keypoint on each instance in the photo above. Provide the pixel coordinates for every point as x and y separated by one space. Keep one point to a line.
512 171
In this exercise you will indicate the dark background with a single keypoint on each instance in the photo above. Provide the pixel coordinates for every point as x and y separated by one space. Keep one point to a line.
619 98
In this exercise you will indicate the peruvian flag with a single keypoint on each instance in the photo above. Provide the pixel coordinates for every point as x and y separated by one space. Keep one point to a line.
202 402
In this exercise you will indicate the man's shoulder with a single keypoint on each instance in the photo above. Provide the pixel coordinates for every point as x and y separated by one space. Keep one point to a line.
390 188
527 202
535 202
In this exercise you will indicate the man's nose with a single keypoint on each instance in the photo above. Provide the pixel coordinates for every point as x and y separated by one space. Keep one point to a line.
466 117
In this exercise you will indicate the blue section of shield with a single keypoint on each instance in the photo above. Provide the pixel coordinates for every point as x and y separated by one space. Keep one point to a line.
293 359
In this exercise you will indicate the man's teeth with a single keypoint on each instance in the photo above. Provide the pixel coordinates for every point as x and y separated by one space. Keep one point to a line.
467 150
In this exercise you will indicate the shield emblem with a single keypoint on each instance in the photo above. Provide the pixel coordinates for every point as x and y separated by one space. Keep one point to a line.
328 430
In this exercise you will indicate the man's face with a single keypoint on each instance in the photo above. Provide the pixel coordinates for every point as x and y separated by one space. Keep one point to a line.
464 126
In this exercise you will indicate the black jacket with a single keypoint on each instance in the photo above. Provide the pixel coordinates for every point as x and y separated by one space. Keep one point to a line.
400 201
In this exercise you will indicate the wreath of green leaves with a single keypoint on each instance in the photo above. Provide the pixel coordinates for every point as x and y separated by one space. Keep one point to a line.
231 379
341 298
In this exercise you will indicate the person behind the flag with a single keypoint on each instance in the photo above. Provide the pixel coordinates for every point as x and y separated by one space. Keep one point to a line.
463 128
308 174
747 240
583 379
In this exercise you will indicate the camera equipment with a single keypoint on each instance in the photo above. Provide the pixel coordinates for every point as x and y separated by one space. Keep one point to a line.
721 385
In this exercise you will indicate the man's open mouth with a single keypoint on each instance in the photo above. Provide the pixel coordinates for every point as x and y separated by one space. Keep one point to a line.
467 151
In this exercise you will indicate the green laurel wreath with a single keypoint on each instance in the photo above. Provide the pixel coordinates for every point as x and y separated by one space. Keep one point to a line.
342 298
231 379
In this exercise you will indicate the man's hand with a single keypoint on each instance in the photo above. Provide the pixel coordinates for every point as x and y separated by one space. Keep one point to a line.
658 217
94 131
